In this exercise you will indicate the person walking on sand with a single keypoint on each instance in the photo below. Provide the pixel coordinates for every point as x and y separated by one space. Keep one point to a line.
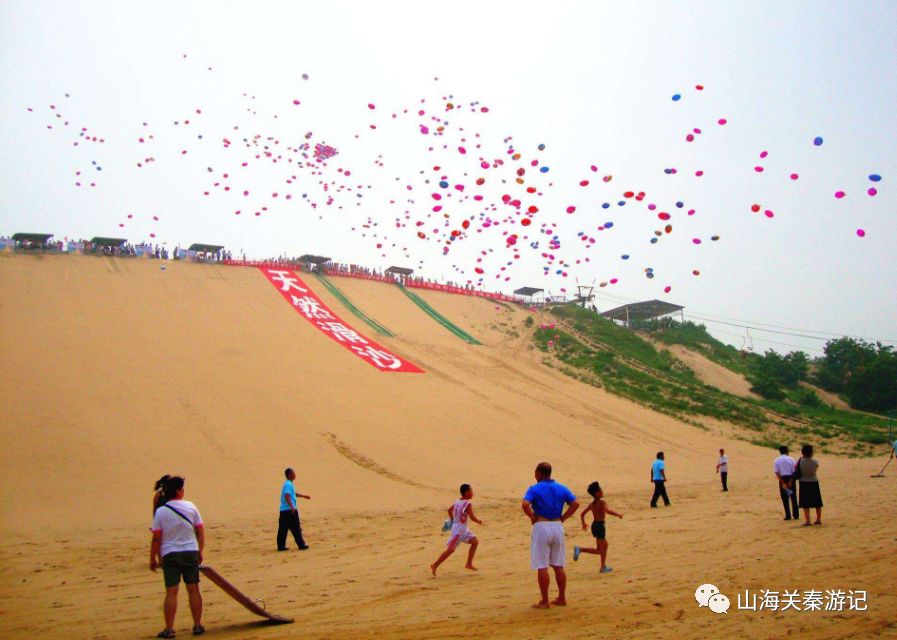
722 468
598 508
810 495
289 513
543 504
784 470
178 541
460 513
659 479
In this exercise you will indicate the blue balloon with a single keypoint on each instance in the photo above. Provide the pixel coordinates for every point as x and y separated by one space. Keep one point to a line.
676 97
606 205
668 171
653 240
608 225
622 203
625 256
817 141
443 184
650 275
680 204
541 147
875 177
544 169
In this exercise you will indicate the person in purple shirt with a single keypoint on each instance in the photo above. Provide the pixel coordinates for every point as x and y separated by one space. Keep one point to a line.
544 504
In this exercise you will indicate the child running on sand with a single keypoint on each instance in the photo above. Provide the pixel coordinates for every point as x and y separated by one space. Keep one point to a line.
598 508
460 512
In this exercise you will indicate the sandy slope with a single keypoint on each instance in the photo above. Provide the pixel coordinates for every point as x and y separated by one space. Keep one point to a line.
117 371
710 372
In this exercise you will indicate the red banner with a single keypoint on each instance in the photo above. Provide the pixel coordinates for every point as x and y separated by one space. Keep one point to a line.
313 309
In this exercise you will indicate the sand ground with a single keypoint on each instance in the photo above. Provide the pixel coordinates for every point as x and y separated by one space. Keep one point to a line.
117 372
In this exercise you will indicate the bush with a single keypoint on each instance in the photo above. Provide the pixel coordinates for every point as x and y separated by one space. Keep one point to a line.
809 398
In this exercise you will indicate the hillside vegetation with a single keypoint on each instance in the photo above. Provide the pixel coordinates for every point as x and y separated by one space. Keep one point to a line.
622 361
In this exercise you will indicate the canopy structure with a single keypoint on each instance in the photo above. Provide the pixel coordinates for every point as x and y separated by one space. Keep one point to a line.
107 242
38 238
205 248
399 271
642 311
528 293
316 260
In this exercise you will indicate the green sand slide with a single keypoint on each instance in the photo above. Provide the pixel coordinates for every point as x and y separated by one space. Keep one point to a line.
339 295
438 317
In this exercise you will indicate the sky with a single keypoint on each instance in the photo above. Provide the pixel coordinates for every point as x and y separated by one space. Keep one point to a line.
591 83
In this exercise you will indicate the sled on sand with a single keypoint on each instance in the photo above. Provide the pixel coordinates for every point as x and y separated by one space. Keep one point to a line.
242 598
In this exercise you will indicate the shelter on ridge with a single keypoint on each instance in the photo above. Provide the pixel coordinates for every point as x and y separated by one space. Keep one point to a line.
99 241
205 248
529 294
399 271
642 311
315 263
31 240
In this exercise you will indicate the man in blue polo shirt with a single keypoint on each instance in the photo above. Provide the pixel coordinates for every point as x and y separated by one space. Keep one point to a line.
289 513
659 478
544 505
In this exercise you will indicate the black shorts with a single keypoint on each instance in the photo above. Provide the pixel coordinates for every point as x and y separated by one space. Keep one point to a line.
180 563
598 530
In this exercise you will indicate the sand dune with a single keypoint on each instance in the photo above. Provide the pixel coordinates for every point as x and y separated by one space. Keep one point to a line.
118 371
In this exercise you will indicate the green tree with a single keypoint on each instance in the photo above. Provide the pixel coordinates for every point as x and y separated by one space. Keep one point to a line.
843 358
873 387
771 372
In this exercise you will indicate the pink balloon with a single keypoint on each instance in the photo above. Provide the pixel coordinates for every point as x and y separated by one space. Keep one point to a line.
794 176
861 233
721 121
872 191
758 169
839 194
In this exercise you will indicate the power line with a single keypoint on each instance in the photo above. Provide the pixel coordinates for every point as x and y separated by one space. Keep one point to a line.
756 326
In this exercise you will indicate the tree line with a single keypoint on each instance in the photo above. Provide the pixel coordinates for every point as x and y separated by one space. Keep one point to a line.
863 372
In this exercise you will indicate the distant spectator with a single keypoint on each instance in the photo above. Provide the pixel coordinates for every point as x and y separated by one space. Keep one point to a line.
722 468
810 495
659 479
784 470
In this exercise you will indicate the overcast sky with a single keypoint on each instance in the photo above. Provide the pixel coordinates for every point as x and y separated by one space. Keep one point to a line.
592 81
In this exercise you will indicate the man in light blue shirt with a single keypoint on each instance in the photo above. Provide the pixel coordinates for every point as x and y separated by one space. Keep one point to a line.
289 514
659 479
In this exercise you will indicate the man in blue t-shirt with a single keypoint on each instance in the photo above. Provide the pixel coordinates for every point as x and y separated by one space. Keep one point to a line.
289 514
544 505
659 479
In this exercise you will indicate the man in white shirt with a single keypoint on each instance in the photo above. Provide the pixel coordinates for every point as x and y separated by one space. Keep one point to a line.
784 470
722 468
178 541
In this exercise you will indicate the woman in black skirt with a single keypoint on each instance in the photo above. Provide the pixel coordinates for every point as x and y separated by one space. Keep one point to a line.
809 496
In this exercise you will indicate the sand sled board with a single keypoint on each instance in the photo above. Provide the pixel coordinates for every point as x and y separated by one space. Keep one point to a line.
241 597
